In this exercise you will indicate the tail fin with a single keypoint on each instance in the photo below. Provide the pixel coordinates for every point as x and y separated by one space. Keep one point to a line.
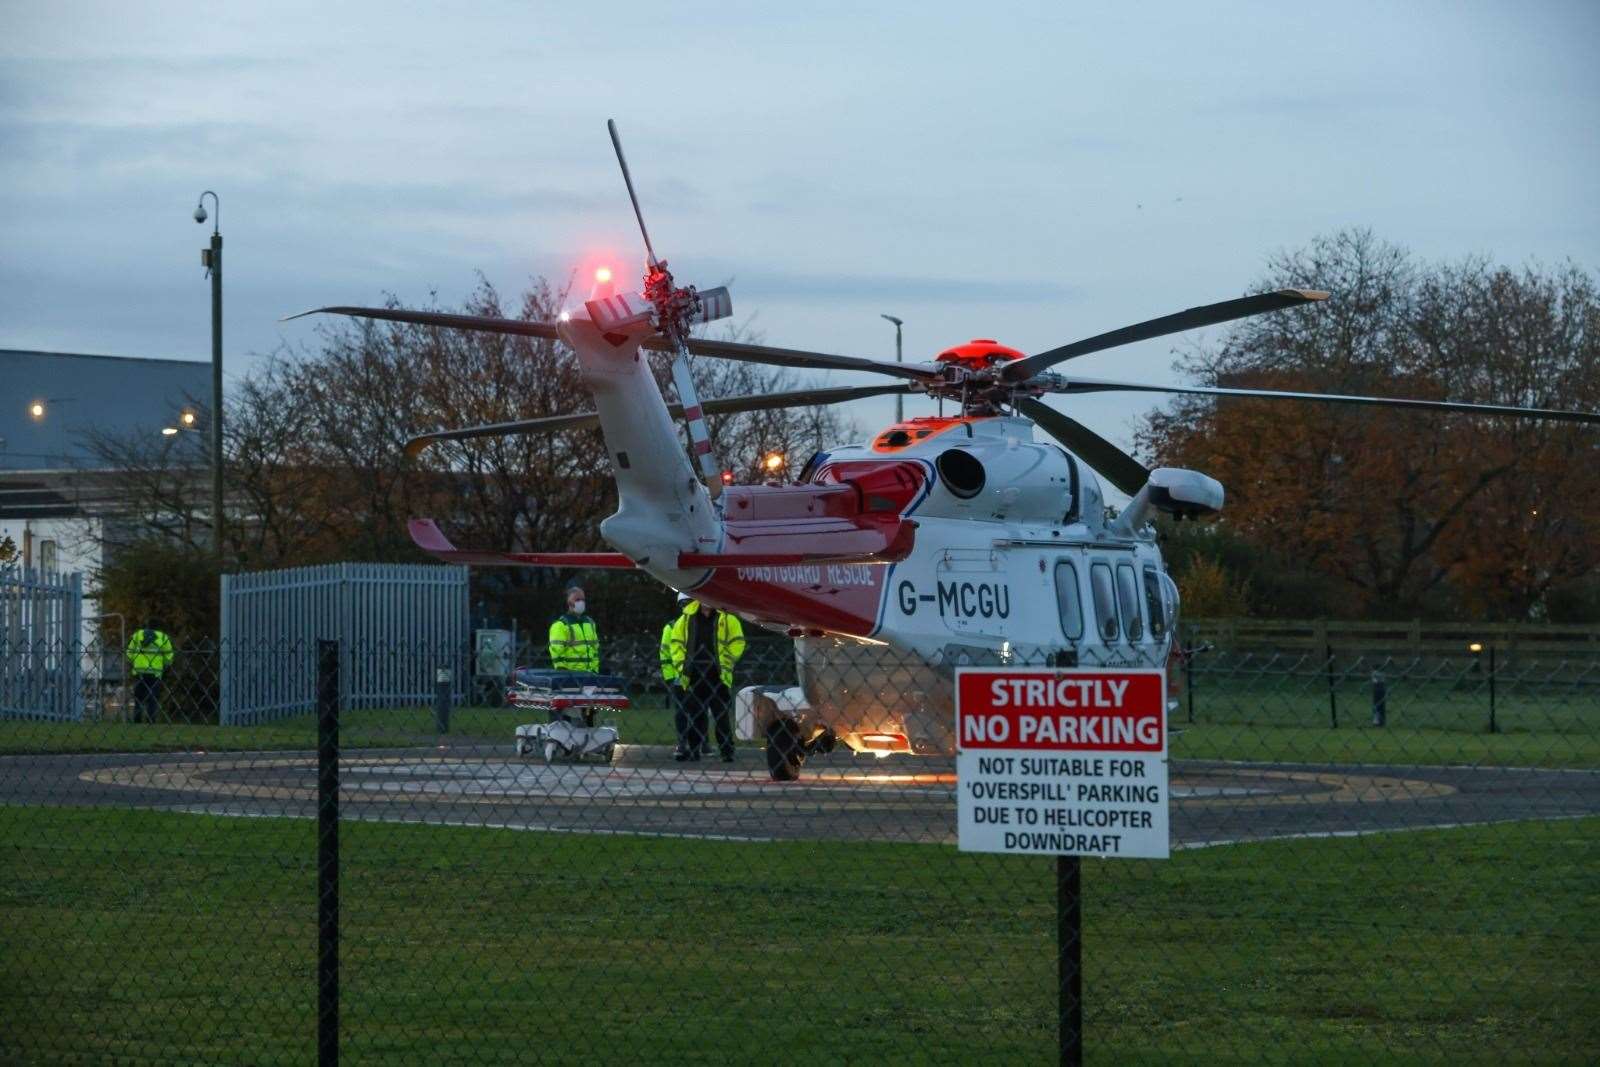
663 510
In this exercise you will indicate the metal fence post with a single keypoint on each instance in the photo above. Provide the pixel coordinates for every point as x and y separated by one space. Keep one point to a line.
1380 699
1069 960
327 852
1493 727
441 700
1188 675
1333 696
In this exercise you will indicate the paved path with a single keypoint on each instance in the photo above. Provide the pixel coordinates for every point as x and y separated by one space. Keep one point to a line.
840 796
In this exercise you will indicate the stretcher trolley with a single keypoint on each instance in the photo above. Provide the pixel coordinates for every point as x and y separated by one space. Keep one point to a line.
571 700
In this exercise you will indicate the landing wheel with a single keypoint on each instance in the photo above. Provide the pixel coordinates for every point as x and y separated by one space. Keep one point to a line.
824 742
785 751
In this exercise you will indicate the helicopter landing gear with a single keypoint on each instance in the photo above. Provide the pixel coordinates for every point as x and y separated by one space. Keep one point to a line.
786 752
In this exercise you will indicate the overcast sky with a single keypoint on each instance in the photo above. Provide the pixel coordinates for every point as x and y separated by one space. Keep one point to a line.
1032 173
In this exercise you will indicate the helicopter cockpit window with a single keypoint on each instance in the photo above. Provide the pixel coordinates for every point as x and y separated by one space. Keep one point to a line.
1105 601
1128 598
1152 603
1068 601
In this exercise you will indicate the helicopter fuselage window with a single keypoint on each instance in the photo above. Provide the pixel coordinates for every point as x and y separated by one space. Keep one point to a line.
1068 601
1152 603
1128 597
1105 601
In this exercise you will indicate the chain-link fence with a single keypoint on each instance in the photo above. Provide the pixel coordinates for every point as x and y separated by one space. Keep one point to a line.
1375 857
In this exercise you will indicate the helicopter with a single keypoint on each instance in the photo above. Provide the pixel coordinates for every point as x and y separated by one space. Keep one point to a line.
941 541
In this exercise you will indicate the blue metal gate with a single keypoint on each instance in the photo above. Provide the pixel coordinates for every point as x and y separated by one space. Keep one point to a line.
41 620
396 624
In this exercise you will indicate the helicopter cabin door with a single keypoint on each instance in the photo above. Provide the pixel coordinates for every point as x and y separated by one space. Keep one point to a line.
975 598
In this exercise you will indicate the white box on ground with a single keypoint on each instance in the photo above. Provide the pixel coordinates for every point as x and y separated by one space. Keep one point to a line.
789 699
1062 761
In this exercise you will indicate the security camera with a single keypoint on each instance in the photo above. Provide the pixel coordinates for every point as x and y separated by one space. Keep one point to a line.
199 213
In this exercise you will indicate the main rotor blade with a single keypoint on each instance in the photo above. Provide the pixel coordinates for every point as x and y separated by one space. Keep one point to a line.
1206 315
700 346
1119 468
616 142
794 357
587 420
1098 385
481 323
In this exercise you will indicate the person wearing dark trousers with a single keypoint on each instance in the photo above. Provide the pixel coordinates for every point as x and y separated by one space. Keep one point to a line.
705 645
149 655
672 659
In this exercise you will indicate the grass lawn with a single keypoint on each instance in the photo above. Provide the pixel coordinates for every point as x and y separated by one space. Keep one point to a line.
192 939
1256 717
1361 743
1352 742
1456 704
648 722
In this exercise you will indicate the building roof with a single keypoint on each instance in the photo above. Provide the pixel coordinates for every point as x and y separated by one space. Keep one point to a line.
114 395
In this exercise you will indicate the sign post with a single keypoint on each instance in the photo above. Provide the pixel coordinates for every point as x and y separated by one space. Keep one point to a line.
1066 762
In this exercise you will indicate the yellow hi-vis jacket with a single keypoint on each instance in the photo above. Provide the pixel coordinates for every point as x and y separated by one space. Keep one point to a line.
149 652
730 644
574 644
669 669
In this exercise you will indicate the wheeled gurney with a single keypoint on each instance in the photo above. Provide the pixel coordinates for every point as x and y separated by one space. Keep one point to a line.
570 701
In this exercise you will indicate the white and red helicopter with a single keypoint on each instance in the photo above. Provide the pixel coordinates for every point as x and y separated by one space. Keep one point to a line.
939 542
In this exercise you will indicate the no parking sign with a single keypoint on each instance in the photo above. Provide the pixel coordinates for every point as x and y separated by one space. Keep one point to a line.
1066 762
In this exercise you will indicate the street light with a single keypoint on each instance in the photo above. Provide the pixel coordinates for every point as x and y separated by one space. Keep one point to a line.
211 259
899 400
39 408
186 422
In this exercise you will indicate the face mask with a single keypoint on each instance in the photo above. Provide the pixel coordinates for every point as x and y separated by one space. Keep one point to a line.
577 607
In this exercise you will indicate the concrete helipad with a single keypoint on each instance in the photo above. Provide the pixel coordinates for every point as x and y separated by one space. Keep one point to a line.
839 796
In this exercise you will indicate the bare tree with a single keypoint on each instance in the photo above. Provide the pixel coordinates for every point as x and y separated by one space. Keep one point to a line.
1408 508
316 468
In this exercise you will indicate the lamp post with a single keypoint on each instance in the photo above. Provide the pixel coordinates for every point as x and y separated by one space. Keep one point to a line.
899 400
39 407
211 259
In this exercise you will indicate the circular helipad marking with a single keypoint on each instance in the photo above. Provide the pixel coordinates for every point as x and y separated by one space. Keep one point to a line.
403 779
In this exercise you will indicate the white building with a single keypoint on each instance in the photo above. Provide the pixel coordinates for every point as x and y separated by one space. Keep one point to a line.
56 497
